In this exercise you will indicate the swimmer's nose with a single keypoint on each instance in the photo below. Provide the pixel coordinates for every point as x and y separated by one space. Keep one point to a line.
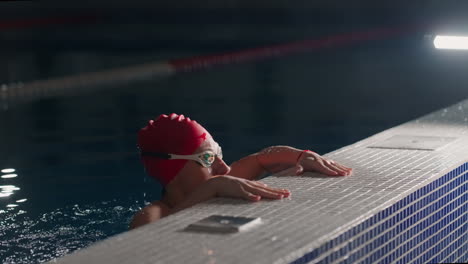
220 167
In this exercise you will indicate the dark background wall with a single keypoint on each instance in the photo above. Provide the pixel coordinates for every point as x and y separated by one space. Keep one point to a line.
350 91
44 40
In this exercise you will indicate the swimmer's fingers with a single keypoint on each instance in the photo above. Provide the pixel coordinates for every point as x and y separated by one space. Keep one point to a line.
247 195
312 161
339 171
258 183
322 167
263 186
265 191
227 186
347 169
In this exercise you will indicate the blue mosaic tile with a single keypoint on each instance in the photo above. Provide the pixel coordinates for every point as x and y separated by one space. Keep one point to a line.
457 239
428 225
379 241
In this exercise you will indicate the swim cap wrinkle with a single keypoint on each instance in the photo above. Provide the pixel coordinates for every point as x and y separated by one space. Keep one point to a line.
173 134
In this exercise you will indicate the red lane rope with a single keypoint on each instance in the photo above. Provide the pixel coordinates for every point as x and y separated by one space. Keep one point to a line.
201 62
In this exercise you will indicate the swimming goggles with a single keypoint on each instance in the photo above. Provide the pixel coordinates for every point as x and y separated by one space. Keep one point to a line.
205 158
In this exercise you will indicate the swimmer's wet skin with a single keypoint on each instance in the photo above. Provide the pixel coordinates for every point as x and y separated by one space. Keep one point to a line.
188 162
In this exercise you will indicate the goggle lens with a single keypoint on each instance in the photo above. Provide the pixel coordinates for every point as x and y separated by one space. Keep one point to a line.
209 157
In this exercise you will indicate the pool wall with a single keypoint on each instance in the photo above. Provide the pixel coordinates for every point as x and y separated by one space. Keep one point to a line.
427 226
404 203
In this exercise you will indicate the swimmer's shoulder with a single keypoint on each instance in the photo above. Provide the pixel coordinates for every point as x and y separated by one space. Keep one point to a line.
152 212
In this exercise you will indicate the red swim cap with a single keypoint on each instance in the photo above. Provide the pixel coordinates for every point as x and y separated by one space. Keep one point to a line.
173 134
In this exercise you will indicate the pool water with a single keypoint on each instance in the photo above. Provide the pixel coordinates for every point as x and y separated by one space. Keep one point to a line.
75 155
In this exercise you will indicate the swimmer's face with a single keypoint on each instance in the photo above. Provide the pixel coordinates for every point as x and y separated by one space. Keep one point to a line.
193 173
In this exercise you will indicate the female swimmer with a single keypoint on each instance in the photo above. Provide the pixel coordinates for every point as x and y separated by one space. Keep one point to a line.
188 162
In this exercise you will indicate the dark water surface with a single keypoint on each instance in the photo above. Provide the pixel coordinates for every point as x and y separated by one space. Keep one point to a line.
75 156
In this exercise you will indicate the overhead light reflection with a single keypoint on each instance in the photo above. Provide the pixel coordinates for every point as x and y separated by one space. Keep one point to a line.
451 42
9 188
21 200
12 205
9 170
12 175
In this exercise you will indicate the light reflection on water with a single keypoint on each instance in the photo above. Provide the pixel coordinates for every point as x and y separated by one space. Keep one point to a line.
7 187
8 190
38 238
35 240
7 176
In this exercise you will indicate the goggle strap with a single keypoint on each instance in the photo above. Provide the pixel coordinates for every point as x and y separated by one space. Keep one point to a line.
156 155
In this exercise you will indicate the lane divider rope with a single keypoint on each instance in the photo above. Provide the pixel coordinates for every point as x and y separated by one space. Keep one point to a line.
76 84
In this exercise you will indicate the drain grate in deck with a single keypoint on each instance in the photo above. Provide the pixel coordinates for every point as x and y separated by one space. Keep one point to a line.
428 143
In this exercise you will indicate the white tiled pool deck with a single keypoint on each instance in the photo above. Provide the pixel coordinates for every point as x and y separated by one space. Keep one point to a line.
404 204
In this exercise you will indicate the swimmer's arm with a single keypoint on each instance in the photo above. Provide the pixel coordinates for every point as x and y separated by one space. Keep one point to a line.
269 160
247 168
277 158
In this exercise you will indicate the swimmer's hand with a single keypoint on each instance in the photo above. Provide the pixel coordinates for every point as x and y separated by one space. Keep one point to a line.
230 186
311 161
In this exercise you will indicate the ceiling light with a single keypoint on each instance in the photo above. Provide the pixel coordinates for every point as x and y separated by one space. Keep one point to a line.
451 42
